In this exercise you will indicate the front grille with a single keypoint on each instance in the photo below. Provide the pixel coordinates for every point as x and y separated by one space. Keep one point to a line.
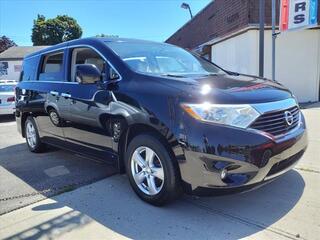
285 163
275 122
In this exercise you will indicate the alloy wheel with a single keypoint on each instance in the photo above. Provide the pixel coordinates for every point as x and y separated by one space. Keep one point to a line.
31 135
147 170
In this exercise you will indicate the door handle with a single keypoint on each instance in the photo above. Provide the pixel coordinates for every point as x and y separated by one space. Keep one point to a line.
54 93
66 95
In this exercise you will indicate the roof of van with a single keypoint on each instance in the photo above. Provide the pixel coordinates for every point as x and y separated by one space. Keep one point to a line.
86 40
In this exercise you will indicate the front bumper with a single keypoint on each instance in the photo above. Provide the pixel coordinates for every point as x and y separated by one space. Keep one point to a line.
7 109
250 157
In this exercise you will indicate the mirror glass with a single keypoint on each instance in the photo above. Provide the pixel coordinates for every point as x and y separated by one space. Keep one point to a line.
87 74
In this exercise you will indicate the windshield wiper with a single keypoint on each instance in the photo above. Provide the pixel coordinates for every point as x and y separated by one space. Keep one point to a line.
173 75
233 73
212 74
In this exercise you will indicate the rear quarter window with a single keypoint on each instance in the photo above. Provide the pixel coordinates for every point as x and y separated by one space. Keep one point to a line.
29 69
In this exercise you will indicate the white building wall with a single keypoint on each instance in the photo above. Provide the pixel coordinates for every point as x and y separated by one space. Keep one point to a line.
238 53
13 70
297 59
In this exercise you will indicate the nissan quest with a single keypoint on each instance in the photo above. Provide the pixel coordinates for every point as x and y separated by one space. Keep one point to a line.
171 120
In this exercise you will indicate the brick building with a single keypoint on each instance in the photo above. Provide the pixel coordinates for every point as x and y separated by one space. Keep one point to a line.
227 32
221 18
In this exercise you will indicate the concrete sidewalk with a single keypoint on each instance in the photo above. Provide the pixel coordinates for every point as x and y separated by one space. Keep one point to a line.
287 208
311 158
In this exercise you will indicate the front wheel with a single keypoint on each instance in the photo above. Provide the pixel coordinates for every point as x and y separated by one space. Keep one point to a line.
153 174
32 136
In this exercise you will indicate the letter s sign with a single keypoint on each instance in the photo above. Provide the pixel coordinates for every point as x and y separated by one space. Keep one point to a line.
295 14
299 12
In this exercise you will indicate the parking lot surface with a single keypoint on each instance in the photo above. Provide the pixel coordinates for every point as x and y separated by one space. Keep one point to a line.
287 208
26 177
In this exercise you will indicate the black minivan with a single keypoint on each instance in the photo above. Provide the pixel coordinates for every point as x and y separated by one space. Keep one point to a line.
173 121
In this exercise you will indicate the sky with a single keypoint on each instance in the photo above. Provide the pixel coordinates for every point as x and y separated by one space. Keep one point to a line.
143 19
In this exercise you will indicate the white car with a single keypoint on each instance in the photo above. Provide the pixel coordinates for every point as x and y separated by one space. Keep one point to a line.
7 97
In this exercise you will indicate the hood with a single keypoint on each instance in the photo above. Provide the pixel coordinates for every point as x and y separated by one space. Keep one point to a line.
228 89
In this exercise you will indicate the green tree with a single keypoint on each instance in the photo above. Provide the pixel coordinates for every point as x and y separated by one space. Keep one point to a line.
6 43
55 30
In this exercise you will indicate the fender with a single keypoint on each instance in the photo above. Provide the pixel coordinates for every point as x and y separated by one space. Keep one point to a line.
126 120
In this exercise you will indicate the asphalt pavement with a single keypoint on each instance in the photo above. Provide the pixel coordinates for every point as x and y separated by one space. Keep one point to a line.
27 177
287 208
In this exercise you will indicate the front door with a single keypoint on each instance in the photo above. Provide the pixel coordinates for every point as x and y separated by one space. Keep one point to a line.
86 129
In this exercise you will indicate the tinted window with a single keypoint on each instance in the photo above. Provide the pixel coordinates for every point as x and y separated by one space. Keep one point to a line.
52 67
29 69
52 63
85 56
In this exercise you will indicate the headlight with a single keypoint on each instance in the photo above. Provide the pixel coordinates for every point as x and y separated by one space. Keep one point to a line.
241 115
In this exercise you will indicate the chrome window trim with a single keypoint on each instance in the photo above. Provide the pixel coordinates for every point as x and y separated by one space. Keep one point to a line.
101 55
76 46
39 81
47 52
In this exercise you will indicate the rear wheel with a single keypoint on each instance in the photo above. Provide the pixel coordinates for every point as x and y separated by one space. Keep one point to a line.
153 174
32 136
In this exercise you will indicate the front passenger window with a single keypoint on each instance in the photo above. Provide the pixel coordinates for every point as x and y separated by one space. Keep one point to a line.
85 56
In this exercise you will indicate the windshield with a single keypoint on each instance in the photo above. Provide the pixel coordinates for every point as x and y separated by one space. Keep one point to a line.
7 88
162 59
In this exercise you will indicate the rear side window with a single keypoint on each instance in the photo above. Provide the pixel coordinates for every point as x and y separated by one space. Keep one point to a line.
29 69
52 63
52 67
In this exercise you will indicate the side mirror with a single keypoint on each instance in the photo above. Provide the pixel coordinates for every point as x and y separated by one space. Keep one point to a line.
87 74
113 75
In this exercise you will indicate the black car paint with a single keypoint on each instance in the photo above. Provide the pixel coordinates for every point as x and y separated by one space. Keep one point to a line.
103 117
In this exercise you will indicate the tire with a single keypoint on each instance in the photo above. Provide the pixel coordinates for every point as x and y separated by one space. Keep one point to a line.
148 184
55 119
32 136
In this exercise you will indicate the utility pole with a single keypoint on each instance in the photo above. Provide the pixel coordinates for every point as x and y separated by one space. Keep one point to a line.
274 36
261 36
